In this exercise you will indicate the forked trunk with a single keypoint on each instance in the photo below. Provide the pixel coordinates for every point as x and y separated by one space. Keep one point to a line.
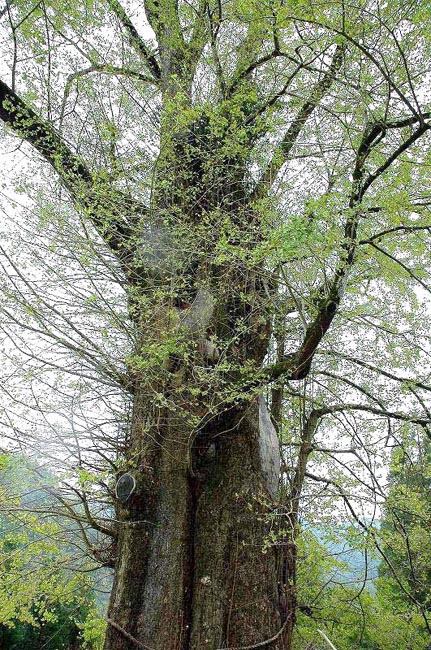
196 568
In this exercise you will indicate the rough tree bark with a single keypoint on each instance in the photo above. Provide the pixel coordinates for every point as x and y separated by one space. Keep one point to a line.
191 571
195 569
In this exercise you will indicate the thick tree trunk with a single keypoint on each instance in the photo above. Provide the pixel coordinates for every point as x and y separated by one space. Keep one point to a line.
195 569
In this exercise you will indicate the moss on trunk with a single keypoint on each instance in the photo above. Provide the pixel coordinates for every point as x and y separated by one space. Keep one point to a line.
193 570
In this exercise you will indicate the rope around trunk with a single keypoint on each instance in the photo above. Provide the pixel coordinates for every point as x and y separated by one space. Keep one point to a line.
127 635
262 644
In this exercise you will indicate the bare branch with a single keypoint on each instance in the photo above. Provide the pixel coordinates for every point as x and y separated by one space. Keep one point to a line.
364 364
135 39
284 148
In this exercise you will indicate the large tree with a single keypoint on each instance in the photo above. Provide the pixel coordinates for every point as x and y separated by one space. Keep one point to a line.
246 171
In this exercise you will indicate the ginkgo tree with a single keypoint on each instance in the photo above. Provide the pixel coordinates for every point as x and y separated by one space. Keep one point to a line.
234 192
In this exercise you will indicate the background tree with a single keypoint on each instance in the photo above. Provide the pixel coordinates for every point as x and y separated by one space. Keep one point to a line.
404 580
341 594
240 197
47 589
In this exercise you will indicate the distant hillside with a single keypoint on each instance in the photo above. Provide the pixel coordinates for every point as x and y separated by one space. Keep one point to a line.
355 565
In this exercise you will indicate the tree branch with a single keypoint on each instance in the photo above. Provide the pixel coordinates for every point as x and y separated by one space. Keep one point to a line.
105 209
283 150
297 365
396 415
102 69
388 162
135 39
88 515
385 373
200 35
401 264
389 231
165 22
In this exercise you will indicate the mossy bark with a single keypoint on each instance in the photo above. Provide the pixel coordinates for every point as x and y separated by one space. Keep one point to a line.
152 565
236 573
194 570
